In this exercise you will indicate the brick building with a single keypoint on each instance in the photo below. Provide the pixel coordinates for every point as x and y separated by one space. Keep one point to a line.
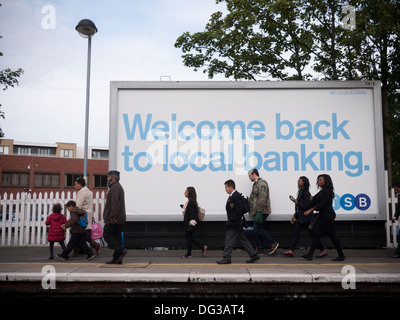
28 167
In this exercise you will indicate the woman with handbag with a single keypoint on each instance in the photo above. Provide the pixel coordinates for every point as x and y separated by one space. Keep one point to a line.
324 224
302 204
190 220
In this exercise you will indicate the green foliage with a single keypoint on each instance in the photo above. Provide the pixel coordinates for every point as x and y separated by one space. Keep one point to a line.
8 78
306 40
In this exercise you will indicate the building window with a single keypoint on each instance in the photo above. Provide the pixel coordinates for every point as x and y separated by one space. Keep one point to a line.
100 181
44 152
99 154
4 150
51 180
70 179
24 151
15 179
66 153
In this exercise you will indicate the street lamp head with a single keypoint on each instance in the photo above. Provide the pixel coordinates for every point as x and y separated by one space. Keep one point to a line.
86 28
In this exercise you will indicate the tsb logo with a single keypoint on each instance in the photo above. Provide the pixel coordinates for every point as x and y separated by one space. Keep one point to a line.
349 202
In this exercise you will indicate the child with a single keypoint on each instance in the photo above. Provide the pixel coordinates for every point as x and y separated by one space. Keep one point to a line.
56 233
78 237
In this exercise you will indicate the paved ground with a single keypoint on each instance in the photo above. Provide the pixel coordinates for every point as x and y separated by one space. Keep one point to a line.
26 272
25 263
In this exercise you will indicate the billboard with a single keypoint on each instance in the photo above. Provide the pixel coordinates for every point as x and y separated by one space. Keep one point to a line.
166 136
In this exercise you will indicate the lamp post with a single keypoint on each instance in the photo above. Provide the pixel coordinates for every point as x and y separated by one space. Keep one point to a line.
86 28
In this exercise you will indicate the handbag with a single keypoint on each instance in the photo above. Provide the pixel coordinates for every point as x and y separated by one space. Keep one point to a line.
201 213
258 217
313 220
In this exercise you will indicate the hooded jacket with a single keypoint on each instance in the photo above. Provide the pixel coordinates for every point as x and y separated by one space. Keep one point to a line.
56 233
76 214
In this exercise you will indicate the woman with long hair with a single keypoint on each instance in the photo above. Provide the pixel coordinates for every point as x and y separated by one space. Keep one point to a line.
324 224
302 204
190 221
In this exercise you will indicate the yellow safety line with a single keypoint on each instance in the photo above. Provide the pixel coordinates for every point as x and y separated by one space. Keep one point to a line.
233 265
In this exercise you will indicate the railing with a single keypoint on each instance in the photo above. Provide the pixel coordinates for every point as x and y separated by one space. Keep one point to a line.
23 217
392 228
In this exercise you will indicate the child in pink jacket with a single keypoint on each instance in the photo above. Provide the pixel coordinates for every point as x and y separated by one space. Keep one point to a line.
56 233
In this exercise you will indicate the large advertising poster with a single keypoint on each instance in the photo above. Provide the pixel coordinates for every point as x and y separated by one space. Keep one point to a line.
168 136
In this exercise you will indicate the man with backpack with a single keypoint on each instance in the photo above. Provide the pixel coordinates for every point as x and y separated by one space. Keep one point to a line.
260 207
235 208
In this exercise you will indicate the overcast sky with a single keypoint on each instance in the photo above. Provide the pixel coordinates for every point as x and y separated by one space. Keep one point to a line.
135 42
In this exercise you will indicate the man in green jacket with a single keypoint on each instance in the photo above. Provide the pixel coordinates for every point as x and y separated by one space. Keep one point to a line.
260 206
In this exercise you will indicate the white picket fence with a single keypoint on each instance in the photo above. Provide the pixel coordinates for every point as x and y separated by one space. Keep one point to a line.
23 217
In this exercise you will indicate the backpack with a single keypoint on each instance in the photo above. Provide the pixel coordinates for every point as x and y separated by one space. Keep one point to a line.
83 222
245 204
201 213
97 231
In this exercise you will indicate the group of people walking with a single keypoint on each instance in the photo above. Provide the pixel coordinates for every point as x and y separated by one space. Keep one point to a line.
314 213
114 216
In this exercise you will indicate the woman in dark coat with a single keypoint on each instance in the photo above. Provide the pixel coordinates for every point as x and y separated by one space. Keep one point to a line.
324 224
302 204
190 221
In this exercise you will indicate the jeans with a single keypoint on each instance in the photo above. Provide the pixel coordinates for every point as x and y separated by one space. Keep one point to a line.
262 235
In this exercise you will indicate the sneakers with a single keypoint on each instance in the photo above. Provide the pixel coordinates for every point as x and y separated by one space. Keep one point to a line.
273 248
59 256
90 257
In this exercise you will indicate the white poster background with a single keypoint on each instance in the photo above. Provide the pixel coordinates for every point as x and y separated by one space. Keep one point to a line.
333 128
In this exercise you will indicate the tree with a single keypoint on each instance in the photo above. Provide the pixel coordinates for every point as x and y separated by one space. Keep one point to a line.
265 39
247 42
8 78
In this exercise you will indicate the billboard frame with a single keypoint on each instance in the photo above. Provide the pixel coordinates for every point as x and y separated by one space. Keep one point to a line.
116 86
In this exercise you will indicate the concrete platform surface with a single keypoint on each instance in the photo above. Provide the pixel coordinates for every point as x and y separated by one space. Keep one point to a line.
27 272
26 263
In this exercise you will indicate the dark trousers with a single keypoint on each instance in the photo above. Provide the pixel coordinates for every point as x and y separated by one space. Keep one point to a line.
112 234
231 235
51 247
189 240
321 227
297 230
77 240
